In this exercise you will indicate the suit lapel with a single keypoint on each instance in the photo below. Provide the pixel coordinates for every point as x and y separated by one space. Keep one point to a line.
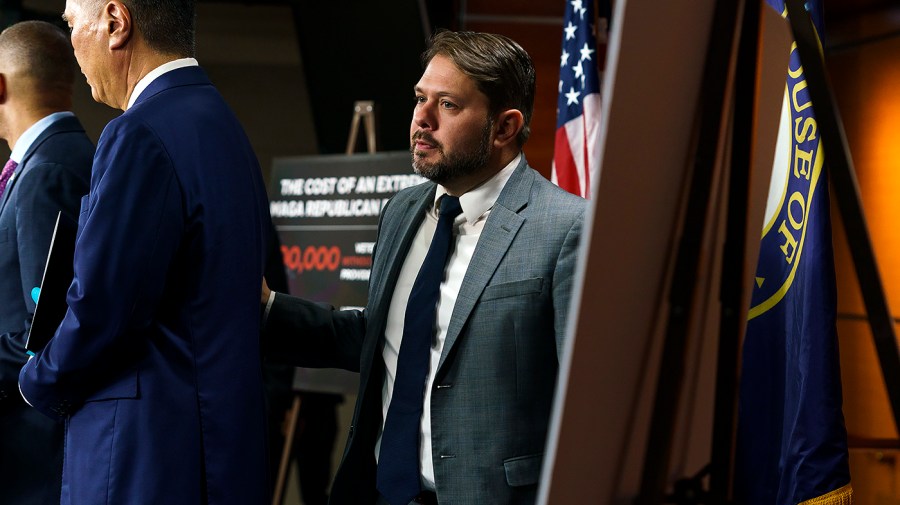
65 124
499 231
399 234
398 229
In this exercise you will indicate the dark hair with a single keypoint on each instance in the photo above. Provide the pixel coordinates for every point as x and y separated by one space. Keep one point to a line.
167 25
501 69
43 52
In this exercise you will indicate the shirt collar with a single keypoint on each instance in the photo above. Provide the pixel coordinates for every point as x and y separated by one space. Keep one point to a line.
482 198
33 132
155 73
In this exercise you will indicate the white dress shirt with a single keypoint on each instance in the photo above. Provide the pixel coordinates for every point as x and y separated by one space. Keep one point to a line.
476 206
155 73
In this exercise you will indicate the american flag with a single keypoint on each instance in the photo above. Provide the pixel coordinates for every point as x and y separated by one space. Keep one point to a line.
576 158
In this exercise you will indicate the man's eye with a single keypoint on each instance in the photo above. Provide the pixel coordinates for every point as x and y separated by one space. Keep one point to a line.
448 105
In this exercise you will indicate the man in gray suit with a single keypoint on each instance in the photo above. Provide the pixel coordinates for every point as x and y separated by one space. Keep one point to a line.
49 171
458 349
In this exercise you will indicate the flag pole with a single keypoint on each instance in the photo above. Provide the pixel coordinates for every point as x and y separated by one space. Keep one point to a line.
846 190
732 313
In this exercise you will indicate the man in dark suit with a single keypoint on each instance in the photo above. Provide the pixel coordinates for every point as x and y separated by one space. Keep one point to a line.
49 171
156 366
458 348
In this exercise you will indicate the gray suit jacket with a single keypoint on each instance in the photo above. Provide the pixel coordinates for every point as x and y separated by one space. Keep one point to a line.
493 390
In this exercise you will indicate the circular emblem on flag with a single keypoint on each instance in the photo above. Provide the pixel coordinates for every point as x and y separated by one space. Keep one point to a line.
795 175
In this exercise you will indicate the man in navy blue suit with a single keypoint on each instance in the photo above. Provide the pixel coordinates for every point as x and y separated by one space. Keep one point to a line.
156 366
48 172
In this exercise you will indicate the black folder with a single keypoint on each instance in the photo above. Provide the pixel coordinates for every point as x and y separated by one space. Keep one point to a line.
58 273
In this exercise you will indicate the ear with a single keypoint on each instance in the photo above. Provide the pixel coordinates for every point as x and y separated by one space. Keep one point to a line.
508 125
2 88
117 19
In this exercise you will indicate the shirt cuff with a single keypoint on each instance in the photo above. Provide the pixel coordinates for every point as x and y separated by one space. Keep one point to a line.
268 307
23 396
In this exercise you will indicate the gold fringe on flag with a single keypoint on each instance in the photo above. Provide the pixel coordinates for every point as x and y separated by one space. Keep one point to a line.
840 496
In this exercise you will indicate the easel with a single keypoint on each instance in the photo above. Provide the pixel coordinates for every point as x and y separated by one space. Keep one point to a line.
363 112
293 416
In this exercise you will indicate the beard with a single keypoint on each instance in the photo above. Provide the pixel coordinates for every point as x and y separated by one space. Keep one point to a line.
455 164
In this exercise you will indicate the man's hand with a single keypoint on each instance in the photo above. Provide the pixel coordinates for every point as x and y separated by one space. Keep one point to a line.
265 292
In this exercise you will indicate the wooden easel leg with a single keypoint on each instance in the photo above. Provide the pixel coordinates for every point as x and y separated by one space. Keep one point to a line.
363 110
278 497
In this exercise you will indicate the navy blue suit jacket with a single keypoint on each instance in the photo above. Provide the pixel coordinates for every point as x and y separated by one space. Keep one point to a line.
156 365
53 176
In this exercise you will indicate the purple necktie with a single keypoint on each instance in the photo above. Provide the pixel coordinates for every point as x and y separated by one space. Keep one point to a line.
7 172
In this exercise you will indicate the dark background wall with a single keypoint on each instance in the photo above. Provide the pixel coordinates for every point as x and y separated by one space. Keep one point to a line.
292 70
363 50
863 59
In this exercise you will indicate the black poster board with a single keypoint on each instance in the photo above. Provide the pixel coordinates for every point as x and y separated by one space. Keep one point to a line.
325 209
58 273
